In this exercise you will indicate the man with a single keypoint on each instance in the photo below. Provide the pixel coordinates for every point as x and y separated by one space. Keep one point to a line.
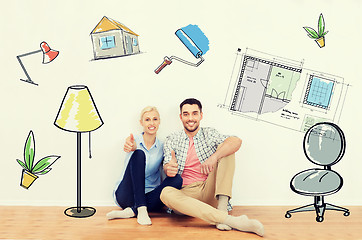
205 160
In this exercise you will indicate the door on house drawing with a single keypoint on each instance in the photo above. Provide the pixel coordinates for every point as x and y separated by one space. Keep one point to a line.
129 45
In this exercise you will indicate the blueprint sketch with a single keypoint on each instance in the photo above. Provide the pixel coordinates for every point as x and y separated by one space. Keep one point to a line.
281 91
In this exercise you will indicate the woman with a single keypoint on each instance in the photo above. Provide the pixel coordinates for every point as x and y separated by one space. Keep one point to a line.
140 186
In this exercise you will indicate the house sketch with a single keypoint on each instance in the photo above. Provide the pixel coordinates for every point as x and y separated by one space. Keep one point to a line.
280 91
111 38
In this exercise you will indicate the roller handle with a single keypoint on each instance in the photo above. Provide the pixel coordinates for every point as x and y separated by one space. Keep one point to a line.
165 62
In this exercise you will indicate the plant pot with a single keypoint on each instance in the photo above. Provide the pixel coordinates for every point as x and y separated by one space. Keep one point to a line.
27 179
320 42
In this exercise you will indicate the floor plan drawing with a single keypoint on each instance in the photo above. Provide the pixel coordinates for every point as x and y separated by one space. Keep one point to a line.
264 86
281 91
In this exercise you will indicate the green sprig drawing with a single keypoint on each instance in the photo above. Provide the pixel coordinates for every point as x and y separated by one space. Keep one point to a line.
42 166
321 29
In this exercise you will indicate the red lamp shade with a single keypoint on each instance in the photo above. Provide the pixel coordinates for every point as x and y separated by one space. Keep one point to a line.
48 53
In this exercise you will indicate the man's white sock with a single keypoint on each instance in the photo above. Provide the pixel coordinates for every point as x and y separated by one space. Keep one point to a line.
222 205
243 223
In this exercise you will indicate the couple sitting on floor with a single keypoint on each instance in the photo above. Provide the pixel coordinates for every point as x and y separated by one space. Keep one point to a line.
199 164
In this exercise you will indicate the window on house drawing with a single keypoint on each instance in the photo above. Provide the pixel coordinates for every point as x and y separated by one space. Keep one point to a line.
135 42
107 42
319 92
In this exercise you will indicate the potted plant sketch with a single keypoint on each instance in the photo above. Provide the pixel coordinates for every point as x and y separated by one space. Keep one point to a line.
318 36
30 171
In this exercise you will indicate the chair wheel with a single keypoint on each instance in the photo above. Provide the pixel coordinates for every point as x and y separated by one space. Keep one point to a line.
346 214
319 219
288 215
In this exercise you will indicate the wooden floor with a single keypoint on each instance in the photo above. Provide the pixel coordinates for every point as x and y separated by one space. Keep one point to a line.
51 223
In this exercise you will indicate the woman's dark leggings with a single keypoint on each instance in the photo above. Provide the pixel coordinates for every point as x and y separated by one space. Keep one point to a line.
131 190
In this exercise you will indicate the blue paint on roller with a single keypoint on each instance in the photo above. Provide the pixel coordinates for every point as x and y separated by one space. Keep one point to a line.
194 39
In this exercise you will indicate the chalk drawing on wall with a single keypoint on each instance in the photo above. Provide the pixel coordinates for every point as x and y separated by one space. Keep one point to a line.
30 170
264 86
319 92
48 56
111 38
324 145
283 92
318 36
79 114
194 40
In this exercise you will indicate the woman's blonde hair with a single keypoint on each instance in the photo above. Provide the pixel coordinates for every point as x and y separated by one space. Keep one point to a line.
148 109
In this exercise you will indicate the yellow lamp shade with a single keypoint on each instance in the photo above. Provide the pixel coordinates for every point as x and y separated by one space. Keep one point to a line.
78 112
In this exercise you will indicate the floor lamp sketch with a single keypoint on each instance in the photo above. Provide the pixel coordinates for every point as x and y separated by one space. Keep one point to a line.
78 113
48 56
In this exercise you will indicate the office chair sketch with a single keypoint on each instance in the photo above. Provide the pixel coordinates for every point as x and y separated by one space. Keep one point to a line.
324 145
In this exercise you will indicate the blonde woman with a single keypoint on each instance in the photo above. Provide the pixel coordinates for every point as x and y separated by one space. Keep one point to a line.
140 186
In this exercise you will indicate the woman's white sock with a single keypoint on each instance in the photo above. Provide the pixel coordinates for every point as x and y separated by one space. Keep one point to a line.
142 216
125 213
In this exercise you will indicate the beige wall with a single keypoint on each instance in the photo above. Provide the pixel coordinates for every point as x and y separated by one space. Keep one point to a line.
121 87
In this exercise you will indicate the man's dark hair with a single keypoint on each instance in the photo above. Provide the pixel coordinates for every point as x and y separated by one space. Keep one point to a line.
191 101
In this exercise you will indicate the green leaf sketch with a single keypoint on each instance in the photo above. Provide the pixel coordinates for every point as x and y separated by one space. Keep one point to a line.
22 164
29 151
321 29
321 25
43 165
311 32
43 172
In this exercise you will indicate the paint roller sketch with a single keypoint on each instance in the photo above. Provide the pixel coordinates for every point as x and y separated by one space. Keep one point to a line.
195 41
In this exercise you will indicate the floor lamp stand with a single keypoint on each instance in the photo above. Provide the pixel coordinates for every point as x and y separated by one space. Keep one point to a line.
79 211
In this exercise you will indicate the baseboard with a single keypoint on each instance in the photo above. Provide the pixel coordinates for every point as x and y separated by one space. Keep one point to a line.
55 203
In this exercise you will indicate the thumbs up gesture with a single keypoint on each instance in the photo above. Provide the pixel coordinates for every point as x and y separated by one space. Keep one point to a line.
171 167
130 144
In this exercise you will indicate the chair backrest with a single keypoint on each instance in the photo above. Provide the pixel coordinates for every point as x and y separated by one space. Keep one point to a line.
324 144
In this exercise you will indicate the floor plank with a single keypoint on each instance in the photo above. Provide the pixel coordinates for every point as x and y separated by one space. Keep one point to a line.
50 223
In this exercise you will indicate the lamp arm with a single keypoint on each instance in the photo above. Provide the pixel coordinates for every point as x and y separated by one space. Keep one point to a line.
29 53
23 67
